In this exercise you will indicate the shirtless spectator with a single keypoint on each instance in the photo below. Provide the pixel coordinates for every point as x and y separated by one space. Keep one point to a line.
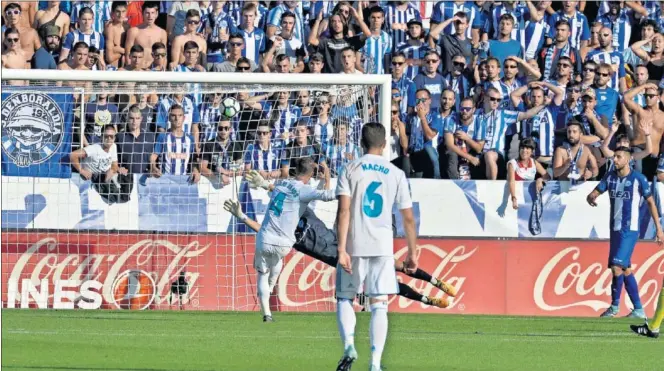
12 54
115 32
52 16
147 33
650 113
29 9
78 61
84 33
573 160
190 34
29 39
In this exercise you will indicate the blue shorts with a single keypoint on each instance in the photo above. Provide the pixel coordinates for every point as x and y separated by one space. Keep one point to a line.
621 248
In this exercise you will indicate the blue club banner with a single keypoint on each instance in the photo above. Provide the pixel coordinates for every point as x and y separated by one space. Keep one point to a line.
442 208
37 130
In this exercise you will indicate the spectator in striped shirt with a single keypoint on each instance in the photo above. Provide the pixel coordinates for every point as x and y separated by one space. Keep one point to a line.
414 48
84 33
190 35
424 127
561 47
29 38
100 10
340 151
399 15
259 20
174 150
620 20
463 136
210 111
262 155
579 28
378 44
254 38
460 79
275 18
400 81
499 123
322 123
217 25
607 54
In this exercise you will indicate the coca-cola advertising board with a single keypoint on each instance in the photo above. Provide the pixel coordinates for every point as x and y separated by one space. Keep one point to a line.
214 272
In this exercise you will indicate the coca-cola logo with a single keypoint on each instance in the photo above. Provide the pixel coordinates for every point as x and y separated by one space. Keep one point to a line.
308 282
161 259
567 283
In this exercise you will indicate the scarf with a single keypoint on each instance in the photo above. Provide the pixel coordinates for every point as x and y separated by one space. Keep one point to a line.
550 56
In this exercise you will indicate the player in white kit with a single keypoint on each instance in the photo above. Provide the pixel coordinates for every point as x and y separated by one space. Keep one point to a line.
288 201
367 190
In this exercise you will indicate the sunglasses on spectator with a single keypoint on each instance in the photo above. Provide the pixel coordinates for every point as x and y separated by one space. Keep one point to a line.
650 95
395 112
604 74
511 66
589 70
395 63
236 45
564 65
12 40
109 136
431 60
159 55
574 90
459 64
421 100
396 95
498 100
13 12
224 128
243 68
194 21
466 109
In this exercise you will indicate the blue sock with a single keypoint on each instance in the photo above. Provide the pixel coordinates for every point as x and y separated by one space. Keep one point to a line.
633 291
616 289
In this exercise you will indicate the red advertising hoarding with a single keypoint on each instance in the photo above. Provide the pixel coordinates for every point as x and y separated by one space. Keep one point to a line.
214 272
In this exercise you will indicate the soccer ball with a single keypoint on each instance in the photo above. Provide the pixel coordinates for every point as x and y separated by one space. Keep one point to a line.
230 107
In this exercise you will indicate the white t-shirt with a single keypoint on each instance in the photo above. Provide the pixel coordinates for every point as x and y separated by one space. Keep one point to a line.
288 202
374 185
99 161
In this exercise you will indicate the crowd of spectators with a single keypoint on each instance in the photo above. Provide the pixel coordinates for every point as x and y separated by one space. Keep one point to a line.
473 82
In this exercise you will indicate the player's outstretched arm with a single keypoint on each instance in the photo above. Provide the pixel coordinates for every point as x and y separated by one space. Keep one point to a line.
234 208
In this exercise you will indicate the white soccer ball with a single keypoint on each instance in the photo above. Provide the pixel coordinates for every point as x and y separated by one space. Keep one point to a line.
230 107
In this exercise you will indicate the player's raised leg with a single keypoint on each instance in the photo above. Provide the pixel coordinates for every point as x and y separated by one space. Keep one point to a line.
426 277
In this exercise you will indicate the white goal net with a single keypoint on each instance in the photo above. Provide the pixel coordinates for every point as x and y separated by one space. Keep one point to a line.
151 233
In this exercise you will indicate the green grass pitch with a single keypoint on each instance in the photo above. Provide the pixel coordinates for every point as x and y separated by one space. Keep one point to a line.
172 340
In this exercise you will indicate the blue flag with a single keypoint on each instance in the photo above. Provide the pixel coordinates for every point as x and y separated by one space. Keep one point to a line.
37 131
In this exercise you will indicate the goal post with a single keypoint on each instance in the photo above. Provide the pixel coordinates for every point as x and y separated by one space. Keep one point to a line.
163 242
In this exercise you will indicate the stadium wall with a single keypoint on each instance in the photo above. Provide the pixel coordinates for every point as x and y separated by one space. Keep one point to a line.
513 277
443 208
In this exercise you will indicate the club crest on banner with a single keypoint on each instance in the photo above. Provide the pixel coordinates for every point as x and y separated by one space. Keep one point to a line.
32 128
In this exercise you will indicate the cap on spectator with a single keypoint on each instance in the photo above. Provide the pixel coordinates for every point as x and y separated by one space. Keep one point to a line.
51 30
316 57
590 93
414 21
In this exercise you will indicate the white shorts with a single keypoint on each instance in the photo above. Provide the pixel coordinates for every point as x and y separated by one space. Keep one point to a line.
376 275
268 256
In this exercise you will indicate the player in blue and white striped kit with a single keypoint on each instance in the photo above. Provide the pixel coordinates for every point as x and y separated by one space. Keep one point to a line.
626 188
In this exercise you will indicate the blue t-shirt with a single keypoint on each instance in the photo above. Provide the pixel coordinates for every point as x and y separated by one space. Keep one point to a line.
504 49
607 102
433 85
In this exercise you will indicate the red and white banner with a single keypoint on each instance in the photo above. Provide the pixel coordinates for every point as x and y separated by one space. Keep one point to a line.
205 272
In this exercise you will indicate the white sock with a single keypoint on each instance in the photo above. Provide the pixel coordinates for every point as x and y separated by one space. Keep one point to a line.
378 331
274 274
346 321
264 293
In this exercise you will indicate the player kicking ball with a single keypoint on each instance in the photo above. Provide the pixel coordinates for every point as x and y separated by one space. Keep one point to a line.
315 240
626 188
276 235
367 189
